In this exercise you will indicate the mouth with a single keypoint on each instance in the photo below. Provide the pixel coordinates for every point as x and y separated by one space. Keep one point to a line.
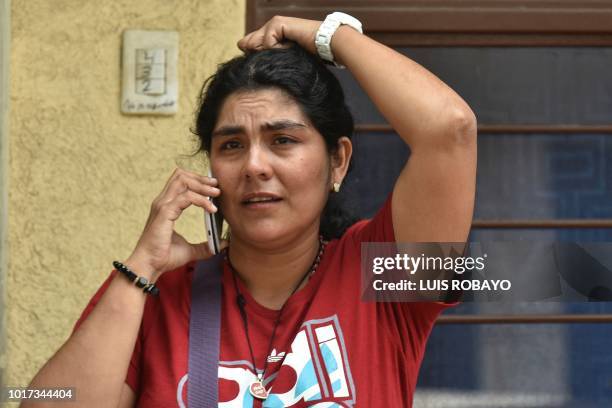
260 199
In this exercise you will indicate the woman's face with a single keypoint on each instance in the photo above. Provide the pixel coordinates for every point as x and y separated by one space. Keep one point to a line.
272 165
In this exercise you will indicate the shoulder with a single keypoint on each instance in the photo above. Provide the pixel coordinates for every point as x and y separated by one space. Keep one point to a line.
347 248
376 229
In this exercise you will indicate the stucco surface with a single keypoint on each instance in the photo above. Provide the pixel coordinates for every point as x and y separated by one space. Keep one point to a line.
82 175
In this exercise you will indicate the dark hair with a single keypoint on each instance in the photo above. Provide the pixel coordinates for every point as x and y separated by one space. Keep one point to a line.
306 79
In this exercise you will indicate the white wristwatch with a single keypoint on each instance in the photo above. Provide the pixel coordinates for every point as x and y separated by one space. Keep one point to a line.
326 31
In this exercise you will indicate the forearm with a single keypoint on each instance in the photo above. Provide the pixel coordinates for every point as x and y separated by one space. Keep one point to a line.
418 105
95 359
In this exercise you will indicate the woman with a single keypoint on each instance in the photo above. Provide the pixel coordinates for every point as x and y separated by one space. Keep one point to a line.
277 131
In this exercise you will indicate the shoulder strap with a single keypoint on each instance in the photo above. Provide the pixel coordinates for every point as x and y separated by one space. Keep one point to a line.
204 333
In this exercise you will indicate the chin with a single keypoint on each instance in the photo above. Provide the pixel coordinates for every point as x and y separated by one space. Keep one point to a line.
261 234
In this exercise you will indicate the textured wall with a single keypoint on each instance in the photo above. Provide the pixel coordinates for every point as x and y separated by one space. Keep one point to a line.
82 176
4 85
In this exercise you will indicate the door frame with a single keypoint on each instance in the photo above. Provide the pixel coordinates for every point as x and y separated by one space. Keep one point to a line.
403 23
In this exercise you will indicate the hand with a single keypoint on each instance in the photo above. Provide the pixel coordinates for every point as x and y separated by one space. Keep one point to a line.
160 248
278 30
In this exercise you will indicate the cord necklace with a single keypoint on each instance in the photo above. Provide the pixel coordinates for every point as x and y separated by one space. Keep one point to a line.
257 388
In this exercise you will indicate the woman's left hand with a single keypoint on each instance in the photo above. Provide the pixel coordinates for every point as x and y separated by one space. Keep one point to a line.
278 30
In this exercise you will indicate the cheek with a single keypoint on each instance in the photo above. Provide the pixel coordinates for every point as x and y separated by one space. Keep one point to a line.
226 179
309 179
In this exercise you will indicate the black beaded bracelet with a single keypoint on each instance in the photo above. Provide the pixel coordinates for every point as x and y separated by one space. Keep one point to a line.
139 281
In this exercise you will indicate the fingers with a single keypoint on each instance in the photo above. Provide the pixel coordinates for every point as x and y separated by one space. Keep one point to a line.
186 183
178 172
270 35
280 32
172 210
159 243
189 197
245 43
253 41
183 189
182 181
271 38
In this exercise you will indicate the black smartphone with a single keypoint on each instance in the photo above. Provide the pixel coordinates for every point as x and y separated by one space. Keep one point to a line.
214 225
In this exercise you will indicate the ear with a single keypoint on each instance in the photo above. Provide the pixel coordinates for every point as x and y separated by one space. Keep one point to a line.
340 160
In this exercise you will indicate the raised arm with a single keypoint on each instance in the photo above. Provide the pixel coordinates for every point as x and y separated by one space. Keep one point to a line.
95 359
433 198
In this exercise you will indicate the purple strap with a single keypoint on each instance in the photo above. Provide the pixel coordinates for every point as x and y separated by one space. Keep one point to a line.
204 333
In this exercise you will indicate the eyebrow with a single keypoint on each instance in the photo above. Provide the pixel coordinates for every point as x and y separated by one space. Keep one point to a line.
277 125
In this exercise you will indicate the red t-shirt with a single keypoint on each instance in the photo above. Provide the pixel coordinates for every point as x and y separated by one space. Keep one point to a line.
334 349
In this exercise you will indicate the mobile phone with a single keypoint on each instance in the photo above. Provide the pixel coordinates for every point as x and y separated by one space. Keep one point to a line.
214 225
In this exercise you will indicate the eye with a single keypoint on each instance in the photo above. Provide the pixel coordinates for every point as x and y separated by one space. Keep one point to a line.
230 145
283 140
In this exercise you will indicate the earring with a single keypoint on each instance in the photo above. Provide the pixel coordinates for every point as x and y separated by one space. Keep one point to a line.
336 187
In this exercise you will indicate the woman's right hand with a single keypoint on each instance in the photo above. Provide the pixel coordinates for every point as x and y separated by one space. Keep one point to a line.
160 248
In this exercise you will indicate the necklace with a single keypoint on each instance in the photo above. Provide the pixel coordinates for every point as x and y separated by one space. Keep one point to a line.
257 388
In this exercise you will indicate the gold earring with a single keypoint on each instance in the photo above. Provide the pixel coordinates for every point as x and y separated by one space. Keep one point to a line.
336 187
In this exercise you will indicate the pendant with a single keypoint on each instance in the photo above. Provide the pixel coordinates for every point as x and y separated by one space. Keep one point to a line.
258 390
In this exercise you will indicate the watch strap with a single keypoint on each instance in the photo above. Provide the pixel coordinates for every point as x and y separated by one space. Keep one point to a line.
326 31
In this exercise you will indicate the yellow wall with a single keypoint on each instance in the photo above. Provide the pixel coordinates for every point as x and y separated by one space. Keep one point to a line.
82 176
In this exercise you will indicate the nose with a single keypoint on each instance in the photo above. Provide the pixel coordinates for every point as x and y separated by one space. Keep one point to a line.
257 163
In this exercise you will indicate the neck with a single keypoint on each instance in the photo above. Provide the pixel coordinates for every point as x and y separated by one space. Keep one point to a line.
271 274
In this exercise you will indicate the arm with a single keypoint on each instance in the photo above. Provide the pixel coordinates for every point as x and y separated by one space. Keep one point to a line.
433 198
95 359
